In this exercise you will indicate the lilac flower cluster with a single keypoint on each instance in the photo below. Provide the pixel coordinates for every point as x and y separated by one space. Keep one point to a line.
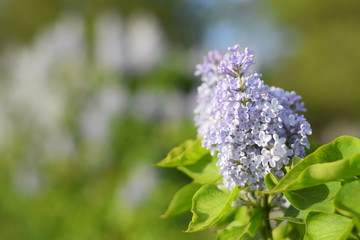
254 128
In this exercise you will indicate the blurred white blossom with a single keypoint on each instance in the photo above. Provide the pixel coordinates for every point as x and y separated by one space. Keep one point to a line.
152 105
144 42
107 102
139 185
26 180
109 42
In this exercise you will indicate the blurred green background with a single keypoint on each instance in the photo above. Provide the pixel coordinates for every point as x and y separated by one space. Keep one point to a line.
93 93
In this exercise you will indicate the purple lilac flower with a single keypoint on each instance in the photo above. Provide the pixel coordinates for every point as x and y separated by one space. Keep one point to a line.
255 129
206 91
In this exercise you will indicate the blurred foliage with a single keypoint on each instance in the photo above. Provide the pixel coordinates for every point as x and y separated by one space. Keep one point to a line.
159 77
323 67
81 196
22 20
100 188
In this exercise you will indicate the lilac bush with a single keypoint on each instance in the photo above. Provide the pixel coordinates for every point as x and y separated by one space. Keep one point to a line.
251 131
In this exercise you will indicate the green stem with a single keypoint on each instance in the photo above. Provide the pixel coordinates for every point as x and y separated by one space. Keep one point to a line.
266 228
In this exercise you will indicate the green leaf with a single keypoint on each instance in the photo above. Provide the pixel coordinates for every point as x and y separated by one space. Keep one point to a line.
270 181
290 219
248 237
347 201
325 226
354 236
337 160
319 198
234 231
228 217
182 200
295 213
187 153
242 215
286 231
204 171
209 205
257 216
325 172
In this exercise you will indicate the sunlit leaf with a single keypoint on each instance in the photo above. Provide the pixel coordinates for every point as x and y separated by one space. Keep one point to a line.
337 160
234 231
290 219
286 231
204 171
242 215
347 201
186 154
209 205
324 226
